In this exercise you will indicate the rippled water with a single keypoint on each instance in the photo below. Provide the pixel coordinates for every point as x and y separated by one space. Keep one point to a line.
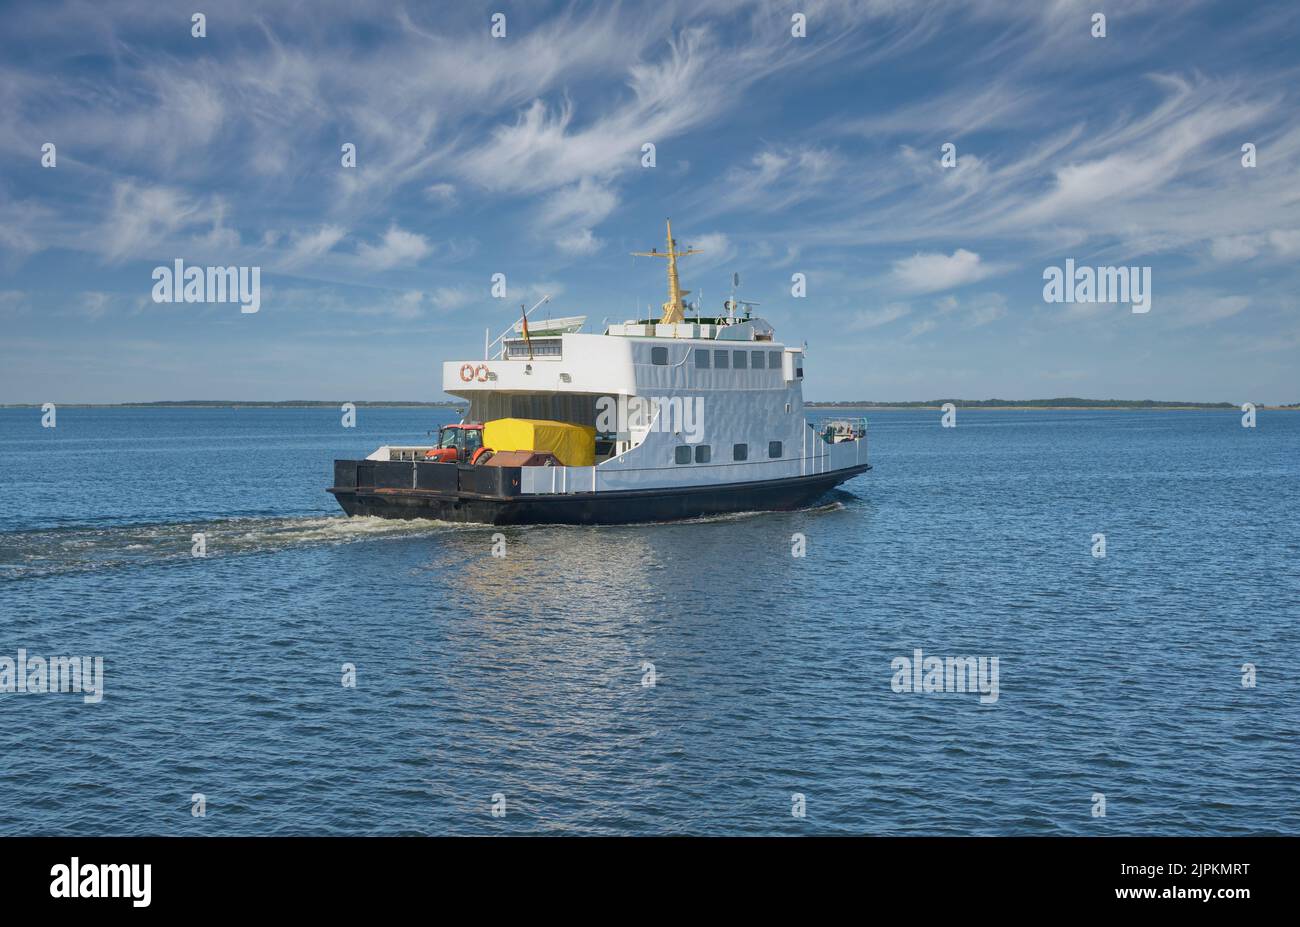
523 675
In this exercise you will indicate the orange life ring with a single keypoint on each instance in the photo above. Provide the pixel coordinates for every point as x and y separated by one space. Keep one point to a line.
467 372
481 373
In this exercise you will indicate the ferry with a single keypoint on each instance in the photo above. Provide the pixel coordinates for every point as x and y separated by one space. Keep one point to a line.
651 420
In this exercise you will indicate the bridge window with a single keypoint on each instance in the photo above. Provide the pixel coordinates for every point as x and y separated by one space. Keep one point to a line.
720 360
774 360
659 357
702 359
757 362
740 360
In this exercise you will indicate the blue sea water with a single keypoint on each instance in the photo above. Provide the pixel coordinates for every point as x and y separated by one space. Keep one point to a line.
522 676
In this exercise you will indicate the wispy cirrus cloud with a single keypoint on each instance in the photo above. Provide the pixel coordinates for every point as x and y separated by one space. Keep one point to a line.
819 156
874 318
306 247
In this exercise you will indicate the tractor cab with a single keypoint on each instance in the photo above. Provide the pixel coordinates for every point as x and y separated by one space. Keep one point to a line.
457 443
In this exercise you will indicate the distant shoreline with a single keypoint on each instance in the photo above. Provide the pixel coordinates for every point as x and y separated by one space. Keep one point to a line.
1174 407
974 405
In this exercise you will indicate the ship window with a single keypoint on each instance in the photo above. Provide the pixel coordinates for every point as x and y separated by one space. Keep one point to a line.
774 360
702 359
702 453
740 452
720 360
773 448
740 360
798 373
682 454
757 362
659 356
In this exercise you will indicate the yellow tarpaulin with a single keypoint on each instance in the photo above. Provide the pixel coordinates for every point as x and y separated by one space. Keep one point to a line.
573 445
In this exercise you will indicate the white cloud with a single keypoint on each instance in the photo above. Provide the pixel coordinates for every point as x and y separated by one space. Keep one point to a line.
777 178
141 216
986 309
161 222
930 272
1235 247
453 297
874 318
408 304
569 215
1285 241
1281 243
578 242
444 194
397 246
94 304
1197 308
717 250
308 246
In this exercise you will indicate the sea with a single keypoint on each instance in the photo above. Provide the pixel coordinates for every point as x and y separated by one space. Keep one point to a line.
1126 583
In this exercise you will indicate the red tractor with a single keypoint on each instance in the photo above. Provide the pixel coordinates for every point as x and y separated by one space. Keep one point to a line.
457 443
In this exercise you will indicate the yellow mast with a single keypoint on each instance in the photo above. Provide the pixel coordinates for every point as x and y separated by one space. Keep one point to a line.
673 309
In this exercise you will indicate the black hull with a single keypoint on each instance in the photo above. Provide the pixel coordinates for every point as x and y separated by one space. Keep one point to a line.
599 508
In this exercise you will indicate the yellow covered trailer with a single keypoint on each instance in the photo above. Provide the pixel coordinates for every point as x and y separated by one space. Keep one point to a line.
573 445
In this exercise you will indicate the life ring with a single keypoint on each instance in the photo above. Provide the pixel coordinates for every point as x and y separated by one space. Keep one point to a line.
467 372
481 372
479 455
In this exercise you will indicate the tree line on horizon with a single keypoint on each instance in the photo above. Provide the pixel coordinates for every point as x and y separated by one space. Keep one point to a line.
1069 401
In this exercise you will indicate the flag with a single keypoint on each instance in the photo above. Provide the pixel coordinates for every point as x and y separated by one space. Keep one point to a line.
527 341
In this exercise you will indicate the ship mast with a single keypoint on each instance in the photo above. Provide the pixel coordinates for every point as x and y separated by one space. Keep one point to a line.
673 309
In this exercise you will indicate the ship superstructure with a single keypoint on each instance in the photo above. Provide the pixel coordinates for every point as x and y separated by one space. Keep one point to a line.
686 416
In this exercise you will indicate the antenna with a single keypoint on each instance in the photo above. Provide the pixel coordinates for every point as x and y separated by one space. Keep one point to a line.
672 308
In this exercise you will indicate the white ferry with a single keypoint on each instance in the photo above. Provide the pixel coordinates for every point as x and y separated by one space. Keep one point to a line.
653 420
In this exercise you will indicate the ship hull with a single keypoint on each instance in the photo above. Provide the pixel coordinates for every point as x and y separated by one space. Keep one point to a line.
598 508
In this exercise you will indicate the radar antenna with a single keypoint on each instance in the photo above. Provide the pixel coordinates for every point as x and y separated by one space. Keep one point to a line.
731 304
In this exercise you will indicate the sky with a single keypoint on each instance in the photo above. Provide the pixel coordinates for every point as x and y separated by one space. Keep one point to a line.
777 155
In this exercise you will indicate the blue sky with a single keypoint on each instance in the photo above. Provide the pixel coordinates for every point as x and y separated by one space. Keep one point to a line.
776 155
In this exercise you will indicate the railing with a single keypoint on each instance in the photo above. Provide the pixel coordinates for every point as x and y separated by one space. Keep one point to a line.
837 430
